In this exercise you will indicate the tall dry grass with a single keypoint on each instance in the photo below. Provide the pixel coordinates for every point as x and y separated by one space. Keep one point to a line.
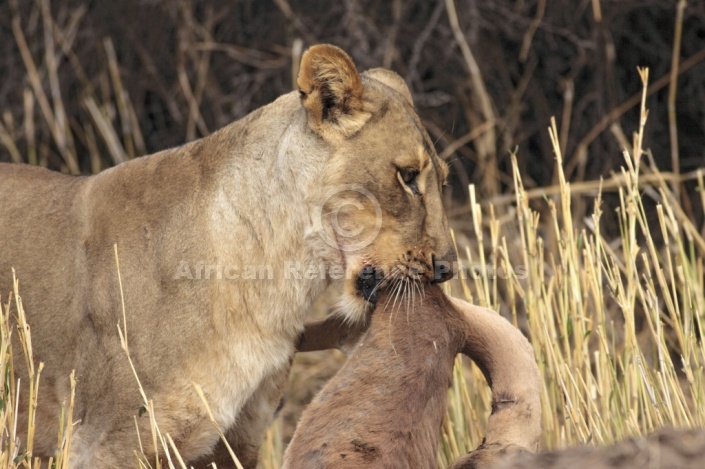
17 341
584 295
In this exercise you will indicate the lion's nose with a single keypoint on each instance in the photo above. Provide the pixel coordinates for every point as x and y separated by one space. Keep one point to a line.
443 267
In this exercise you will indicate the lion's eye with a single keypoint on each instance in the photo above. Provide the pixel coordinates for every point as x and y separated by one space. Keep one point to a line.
409 178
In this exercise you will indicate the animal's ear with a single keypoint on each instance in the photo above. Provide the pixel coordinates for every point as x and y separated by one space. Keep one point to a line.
331 90
392 80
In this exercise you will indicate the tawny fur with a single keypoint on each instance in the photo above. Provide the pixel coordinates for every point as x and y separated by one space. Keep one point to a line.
385 407
260 192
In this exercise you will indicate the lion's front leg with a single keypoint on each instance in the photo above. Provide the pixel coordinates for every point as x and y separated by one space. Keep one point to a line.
247 434
332 332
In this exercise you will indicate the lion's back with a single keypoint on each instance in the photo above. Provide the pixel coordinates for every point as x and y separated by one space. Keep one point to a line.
38 239
28 193
36 213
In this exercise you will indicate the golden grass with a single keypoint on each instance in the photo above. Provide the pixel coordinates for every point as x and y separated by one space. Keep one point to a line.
583 296
15 452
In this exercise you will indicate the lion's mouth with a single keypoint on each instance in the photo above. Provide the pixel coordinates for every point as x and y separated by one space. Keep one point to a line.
368 281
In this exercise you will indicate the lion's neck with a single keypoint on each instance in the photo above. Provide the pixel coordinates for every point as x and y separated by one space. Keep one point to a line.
260 215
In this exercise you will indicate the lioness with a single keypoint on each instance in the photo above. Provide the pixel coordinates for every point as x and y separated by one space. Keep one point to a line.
335 179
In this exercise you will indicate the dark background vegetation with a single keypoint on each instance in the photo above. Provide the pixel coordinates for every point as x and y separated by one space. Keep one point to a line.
182 69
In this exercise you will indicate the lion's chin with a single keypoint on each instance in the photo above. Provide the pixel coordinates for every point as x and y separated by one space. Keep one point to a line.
359 292
354 307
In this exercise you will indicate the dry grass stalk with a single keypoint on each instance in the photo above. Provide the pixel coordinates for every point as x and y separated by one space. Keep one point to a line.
15 453
672 90
487 142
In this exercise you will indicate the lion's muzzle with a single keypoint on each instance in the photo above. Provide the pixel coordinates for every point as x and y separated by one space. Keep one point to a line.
367 282
443 268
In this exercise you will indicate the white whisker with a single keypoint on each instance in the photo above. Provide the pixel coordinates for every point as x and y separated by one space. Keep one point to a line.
418 286
396 296
396 288
391 291
407 290
386 280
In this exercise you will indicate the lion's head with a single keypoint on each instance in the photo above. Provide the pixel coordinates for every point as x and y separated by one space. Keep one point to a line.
380 206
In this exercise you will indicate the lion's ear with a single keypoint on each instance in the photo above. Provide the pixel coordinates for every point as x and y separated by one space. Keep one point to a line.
331 89
392 80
